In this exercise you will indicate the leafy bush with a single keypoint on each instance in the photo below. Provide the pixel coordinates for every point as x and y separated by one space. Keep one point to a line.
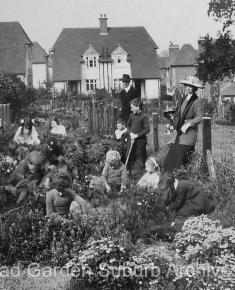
14 91
30 236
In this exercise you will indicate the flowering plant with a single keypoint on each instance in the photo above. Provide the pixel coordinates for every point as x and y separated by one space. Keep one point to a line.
206 243
169 128
7 165
105 264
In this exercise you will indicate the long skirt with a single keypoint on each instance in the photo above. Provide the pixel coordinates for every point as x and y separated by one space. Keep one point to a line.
178 155
138 155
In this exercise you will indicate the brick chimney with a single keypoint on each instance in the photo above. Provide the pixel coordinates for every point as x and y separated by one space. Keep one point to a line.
103 25
200 41
173 50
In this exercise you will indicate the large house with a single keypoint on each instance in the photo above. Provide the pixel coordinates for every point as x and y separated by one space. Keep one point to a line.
40 65
88 58
15 51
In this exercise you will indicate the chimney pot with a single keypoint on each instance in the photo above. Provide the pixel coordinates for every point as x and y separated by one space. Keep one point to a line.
173 50
103 25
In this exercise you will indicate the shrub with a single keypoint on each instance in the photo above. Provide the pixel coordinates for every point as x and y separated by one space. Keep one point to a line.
105 264
30 236
205 242
14 91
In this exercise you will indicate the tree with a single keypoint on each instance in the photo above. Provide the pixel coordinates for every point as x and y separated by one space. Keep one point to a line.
217 59
14 91
223 11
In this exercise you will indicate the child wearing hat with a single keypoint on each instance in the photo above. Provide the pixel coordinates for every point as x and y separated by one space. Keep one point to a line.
138 127
60 198
151 178
114 172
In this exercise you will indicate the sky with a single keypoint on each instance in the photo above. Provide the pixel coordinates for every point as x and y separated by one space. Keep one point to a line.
178 21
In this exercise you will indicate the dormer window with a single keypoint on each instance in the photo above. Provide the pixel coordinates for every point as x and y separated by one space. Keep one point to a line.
91 61
119 55
91 57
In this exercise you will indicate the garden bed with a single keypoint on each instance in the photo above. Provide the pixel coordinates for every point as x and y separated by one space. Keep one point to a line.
135 229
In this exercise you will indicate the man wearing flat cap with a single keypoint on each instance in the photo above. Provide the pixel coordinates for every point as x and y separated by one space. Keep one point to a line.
128 94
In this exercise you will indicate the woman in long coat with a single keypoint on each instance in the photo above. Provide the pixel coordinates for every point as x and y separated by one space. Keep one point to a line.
189 113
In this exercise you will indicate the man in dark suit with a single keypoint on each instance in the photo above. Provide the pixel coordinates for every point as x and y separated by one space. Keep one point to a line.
128 94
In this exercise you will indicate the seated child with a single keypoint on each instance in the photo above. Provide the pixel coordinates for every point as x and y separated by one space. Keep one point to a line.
184 196
121 130
114 172
26 133
122 137
60 198
17 151
57 128
27 175
52 152
151 178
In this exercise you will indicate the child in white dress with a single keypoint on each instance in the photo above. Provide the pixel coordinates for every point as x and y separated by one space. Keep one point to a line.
151 178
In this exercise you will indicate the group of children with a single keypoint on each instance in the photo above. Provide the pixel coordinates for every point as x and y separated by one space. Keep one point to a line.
47 166
182 196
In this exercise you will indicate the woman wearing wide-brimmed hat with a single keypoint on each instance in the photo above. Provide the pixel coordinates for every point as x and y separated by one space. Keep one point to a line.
188 115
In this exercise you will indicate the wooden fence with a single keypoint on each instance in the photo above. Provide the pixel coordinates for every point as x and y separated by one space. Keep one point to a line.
102 118
4 114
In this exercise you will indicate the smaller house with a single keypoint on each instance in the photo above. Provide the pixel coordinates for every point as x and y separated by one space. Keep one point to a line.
15 51
180 63
40 65
228 93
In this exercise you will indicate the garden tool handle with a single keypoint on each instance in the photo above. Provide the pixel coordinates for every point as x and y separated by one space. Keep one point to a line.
129 153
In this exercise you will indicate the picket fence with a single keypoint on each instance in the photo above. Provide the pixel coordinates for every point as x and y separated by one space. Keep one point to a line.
4 114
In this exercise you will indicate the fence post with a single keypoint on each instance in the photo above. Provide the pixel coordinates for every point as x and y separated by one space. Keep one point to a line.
206 136
115 115
155 132
90 115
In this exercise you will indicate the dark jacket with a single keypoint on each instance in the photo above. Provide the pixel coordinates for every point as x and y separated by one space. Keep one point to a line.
125 98
192 113
188 199
138 124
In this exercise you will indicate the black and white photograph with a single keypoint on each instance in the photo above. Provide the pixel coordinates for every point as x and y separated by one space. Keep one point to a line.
117 145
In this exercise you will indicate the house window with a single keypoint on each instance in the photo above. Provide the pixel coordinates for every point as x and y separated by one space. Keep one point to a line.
91 61
91 85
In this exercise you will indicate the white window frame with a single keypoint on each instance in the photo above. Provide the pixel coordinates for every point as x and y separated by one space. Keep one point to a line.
91 85
91 61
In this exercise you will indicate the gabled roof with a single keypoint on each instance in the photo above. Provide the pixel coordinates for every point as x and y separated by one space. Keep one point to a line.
229 90
39 54
163 61
72 42
119 51
13 41
90 51
185 57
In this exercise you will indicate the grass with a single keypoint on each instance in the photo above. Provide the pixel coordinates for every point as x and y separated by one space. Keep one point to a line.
44 279
223 142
